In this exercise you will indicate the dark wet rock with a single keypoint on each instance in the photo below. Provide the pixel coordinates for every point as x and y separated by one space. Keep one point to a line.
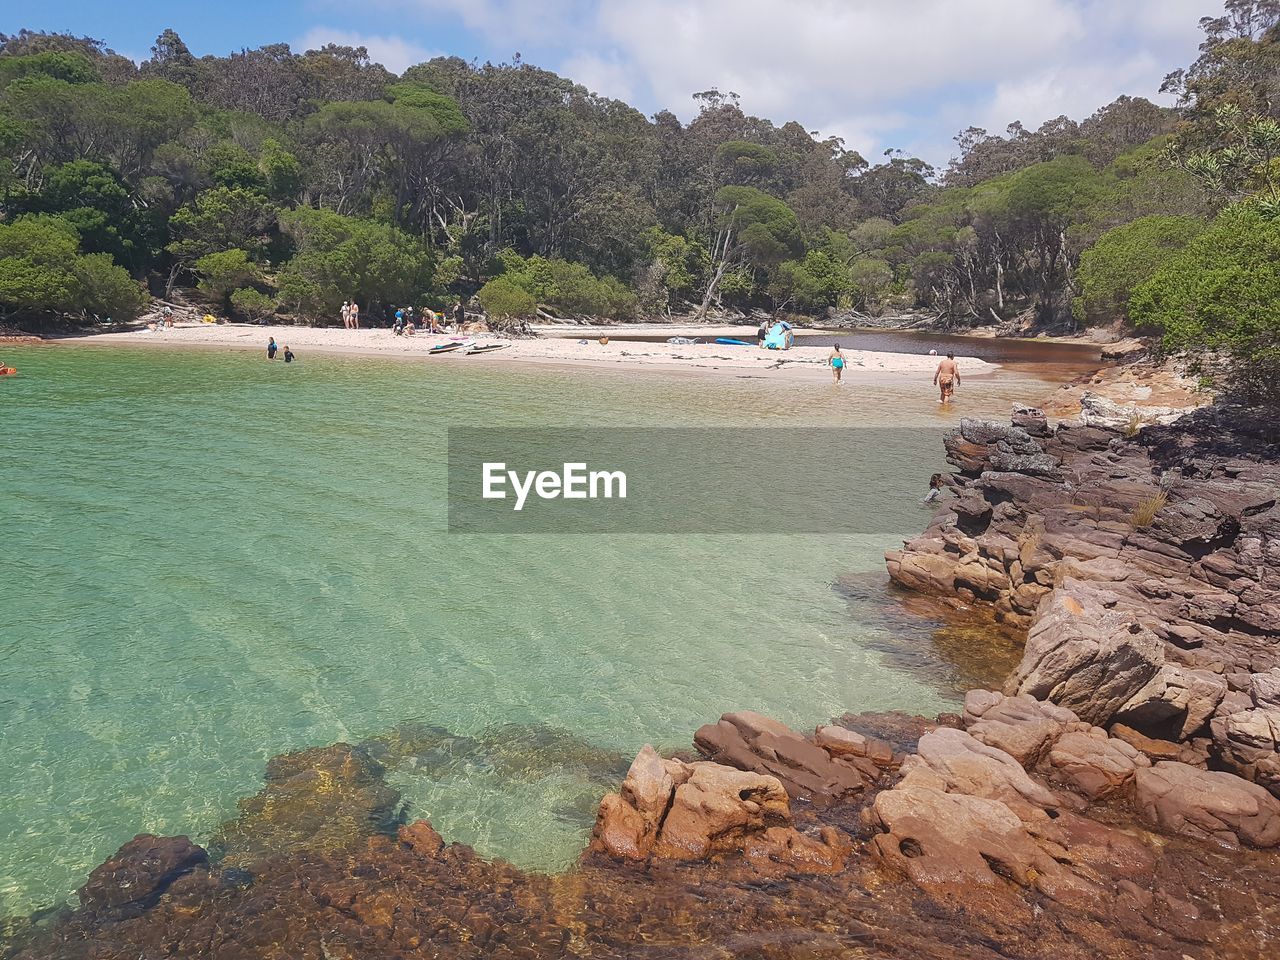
1207 805
140 871
900 730
749 741
324 799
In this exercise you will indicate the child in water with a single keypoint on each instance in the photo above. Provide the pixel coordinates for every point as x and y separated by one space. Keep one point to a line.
288 354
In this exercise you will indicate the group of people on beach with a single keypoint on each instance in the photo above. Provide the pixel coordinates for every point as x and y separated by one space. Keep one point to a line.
946 377
408 321
404 323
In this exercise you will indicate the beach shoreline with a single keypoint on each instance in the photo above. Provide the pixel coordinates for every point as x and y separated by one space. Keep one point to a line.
799 363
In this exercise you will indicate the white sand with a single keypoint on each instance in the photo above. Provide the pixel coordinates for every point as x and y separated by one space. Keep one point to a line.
798 362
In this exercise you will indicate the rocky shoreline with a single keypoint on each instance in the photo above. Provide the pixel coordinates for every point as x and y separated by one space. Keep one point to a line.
1008 831
1119 798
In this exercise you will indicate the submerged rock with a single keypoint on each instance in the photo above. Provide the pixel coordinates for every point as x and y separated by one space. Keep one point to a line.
322 799
137 874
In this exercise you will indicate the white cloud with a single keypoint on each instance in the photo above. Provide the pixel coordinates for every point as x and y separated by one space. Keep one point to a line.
395 53
905 73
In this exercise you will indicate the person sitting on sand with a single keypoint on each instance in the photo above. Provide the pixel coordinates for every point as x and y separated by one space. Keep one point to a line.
935 490
271 348
836 360
410 329
288 354
947 378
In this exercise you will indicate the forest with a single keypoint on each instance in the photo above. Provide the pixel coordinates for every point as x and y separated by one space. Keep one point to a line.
278 183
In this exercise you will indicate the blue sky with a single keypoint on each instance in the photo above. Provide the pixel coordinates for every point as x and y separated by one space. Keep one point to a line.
880 73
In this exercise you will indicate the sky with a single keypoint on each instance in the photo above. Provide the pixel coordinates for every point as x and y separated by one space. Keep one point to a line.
907 74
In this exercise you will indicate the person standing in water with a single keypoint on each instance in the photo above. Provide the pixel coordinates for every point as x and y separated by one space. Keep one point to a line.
271 348
288 354
947 377
935 490
836 360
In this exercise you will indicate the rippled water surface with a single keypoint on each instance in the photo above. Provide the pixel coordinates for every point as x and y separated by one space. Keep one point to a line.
209 560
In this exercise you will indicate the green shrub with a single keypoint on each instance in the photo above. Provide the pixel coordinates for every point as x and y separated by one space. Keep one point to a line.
1220 297
253 304
224 271
1123 258
502 298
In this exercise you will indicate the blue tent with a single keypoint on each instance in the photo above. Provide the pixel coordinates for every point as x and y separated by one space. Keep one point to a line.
780 337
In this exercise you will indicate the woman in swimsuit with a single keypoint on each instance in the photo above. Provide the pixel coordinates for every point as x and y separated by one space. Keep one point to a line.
837 363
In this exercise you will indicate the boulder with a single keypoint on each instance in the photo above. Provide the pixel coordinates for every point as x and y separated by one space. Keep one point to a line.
1021 726
849 744
750 741
1208 805
715 809
966 765
955 846
1248 742
1087 653
628 822
1093 763
670 810
139 872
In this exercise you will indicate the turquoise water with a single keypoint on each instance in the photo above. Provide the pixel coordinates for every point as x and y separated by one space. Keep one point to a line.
209 560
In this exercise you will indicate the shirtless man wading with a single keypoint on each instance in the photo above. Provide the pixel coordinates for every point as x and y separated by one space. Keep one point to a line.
947 378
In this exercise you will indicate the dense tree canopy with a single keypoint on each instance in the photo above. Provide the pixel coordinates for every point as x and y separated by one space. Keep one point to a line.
276 181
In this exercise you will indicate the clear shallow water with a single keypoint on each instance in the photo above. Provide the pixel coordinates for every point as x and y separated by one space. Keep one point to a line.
210 560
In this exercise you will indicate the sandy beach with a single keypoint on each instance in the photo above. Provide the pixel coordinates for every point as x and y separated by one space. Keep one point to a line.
799 362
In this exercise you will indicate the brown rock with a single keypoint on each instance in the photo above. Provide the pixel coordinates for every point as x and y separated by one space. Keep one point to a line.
786 848
1021 726
842 742
955 846
628 822
971 767
1093 763
140 871
750 741
421 838
1207 804
716 808
1149 747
